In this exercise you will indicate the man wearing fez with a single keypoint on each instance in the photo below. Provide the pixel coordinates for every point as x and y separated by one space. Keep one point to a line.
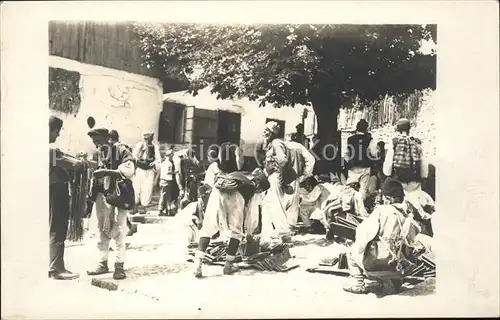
59 202
113 162
148 160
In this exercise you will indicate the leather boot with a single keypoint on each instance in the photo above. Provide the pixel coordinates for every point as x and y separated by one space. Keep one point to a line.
198 262
229 266
101 268
119 273
63 275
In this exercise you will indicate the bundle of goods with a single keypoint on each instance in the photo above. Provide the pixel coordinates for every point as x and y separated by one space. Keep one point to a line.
336 265
79 188
277 258
216 252
424 269
343 225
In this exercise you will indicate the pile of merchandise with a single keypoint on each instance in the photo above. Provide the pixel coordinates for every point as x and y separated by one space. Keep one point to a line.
275 258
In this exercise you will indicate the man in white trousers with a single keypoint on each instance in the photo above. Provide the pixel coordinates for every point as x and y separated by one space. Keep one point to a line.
148 160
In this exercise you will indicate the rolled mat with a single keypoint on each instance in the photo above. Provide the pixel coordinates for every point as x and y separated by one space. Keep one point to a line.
79 189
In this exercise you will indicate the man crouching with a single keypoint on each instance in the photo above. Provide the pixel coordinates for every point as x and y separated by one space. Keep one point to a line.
382 243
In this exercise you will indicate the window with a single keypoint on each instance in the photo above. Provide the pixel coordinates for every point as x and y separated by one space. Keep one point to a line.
171 124
281 123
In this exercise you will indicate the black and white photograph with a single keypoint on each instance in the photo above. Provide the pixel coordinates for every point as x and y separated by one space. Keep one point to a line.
241 170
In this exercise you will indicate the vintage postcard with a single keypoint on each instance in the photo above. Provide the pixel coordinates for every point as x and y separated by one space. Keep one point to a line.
260 159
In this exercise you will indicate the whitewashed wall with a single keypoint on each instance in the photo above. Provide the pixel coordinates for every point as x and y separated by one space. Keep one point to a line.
253 117
126 102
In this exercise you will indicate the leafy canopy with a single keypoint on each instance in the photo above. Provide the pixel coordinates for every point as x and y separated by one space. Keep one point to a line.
286 65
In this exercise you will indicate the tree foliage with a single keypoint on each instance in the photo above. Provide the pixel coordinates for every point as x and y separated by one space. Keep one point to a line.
285 65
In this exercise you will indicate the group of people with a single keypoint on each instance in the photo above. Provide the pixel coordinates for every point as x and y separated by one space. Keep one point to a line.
382 185
122 183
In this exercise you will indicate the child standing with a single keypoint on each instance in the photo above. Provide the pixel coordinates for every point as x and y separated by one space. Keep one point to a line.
166 204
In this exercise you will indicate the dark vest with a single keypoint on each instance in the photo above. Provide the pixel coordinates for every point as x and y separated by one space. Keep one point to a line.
358 150
227 158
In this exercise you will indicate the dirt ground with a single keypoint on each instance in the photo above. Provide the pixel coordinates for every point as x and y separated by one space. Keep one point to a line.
160 284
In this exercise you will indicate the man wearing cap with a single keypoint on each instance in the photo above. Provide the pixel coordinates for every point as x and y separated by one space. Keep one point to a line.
274 206
113 162
59 202
383 242
361 153
148 159
404 158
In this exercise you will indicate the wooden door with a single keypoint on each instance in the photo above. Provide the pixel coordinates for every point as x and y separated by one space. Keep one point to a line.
229 127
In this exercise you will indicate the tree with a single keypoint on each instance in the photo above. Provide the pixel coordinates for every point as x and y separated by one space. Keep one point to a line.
285 65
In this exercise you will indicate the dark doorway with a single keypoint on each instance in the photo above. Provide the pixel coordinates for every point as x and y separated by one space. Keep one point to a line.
229 127
171 124
281 123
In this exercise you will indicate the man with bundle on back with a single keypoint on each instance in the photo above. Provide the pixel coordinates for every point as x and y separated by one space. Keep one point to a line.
405 162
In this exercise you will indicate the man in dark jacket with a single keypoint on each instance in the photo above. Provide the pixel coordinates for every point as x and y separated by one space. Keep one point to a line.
59 202
362 151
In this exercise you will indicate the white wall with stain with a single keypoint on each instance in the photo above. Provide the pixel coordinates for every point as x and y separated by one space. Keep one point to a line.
126 102
253 117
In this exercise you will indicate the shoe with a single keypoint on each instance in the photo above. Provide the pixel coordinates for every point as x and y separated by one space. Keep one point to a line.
356 285
163 213
119 273
230 268
101 268
63 275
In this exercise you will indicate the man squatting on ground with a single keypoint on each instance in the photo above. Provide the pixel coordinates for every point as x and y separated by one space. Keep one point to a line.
229 208
114 162
59 201
148 159
383 241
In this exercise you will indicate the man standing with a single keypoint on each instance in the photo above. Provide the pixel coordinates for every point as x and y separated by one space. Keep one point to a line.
299 135
361 152
185 163
404 158
274 204
114 163
59 201
166 206
302 161
114 138
148 160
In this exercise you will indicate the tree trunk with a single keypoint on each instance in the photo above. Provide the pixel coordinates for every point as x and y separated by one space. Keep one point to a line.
328 149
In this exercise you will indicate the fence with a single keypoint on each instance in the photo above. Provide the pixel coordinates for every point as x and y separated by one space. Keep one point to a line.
383 112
